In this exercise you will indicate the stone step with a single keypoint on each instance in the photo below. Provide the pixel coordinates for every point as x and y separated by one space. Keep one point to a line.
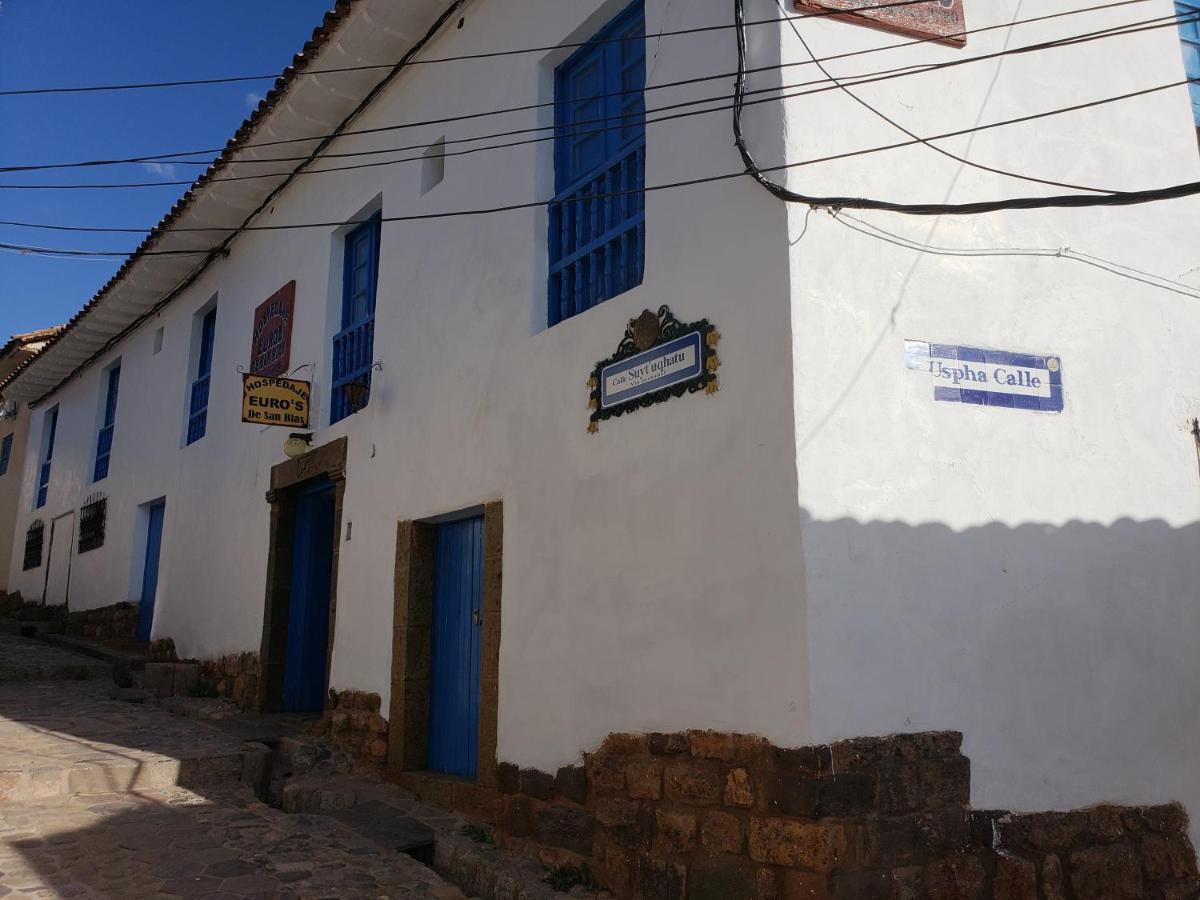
50 783
24 628
130 659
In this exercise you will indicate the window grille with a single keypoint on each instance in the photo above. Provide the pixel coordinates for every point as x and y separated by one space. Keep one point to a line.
33 544
597 219
105 438
354 345
198 401
92 517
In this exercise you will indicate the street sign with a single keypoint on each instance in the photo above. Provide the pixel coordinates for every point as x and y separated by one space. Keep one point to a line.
275 401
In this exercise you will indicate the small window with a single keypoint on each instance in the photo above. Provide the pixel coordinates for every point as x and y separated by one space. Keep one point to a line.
198 399
158 339
49 431
5 452
33 545
433 166
91 523
108 423
354 345
597 219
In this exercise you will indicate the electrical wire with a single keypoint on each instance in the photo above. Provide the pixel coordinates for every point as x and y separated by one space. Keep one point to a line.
493 54
174 156
1157 281
620 123
1122 198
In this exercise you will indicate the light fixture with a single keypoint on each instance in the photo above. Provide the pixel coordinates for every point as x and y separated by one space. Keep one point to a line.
355 393
297 444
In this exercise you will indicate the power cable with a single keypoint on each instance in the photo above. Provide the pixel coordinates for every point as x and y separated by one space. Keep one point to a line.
886 75
934 147
493 54
174 156
1157 281
1122 198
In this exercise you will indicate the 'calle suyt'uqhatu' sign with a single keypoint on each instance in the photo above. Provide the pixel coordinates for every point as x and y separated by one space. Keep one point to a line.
275 401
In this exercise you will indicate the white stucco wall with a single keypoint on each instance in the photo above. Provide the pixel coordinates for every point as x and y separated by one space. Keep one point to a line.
650 573
817 551
1028 578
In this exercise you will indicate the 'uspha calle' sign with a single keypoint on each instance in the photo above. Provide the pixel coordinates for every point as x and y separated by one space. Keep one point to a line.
988 377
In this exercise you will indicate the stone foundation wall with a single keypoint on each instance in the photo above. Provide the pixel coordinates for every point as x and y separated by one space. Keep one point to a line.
114 626
714 816
353 723
14 606
235 677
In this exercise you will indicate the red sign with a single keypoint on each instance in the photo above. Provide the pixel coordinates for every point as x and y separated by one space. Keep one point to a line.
271 343
940 20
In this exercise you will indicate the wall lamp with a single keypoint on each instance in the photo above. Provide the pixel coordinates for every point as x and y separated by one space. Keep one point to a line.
297 444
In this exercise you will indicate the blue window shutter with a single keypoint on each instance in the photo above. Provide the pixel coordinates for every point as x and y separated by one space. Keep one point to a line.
105 438
198 399
597 220
5 453
51 426
354 344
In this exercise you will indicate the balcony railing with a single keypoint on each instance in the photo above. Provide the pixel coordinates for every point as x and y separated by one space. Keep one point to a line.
198 410
598 237
103 451
353 350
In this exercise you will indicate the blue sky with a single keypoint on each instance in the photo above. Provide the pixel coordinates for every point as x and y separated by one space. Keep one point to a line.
71 42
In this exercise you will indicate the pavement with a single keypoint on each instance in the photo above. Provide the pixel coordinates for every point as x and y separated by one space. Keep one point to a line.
103 798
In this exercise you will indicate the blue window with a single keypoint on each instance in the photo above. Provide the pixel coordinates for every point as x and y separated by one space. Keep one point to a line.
5 453
597 219
104 440
50 427
1190 34
354 345
198 405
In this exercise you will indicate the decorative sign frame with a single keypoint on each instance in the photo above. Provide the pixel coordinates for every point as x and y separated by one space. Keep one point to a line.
271 340
988 377
659 358
284 402
942 21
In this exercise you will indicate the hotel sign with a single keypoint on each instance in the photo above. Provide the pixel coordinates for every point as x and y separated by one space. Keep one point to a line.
988 377
938 20
275 401
659 358
271 341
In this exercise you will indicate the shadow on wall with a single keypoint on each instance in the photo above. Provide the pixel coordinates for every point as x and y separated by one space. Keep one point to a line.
1066 654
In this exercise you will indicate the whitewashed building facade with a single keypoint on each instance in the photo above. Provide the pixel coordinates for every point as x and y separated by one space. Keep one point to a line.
841 540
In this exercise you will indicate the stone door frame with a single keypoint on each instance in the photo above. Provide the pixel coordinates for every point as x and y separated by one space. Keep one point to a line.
408 712
327 461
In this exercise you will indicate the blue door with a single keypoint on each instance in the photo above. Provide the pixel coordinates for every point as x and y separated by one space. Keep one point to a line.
150 571
457 625
308 609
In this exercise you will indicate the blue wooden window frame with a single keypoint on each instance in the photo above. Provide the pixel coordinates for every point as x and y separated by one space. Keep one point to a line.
198 402
5 453
354 344
50 429
105 438
597 219
1189 35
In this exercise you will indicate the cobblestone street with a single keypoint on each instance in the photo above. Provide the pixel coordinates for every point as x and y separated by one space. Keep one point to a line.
104 798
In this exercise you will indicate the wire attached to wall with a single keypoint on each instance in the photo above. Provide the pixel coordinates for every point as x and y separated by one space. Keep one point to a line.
1119 198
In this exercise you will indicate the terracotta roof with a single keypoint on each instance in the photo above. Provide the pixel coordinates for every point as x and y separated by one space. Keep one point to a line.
300 62
30 337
